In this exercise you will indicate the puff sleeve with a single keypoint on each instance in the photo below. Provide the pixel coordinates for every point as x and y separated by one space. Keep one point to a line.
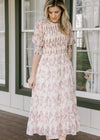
37 38
71 40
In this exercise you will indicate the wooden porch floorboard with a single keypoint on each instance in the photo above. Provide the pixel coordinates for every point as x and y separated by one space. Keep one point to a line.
13 127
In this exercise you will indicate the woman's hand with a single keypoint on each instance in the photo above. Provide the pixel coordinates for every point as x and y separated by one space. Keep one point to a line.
69 51
32 81
70 55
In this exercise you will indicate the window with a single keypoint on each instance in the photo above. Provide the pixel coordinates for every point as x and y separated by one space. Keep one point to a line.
86 53
4 58
31 12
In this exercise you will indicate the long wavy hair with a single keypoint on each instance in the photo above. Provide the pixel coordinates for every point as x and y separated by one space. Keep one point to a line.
64 19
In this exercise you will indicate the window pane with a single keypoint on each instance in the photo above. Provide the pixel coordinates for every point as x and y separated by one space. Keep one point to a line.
29 57
2 42
32 11
88 81
87 13
79 3
82 61
80 81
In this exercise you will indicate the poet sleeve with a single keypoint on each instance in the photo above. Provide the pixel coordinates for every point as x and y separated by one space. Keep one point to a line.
37 38
71 39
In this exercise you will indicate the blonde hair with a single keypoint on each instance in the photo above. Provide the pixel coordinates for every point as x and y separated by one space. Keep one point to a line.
62 25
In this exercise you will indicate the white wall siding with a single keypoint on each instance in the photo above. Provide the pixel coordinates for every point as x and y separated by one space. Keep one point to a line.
27 103
95 119
85 116
4 98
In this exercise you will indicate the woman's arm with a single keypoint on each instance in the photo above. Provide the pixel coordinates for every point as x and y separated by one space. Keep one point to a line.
38 41
35 62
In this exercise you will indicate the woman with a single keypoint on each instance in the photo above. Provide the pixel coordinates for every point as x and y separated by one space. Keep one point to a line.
53 109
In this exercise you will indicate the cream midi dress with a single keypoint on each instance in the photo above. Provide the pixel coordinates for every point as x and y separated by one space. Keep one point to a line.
53 106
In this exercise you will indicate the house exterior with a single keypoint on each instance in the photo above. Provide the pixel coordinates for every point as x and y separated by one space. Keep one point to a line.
17 20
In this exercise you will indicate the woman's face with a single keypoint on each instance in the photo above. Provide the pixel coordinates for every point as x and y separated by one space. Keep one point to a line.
54 13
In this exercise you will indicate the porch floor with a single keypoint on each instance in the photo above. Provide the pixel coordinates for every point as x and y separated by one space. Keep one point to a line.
13 127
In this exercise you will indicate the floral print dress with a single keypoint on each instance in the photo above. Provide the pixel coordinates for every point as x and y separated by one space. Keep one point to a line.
53 106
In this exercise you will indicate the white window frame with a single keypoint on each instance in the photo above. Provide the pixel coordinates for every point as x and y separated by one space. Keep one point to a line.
82 94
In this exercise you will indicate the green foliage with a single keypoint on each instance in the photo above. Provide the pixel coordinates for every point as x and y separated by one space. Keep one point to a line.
82 65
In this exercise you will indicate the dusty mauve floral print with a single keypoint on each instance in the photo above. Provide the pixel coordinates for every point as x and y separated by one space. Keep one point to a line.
53 107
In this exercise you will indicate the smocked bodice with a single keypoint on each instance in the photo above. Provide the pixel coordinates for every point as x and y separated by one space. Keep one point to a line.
47 37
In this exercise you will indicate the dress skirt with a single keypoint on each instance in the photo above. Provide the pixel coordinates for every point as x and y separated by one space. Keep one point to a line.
53 107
